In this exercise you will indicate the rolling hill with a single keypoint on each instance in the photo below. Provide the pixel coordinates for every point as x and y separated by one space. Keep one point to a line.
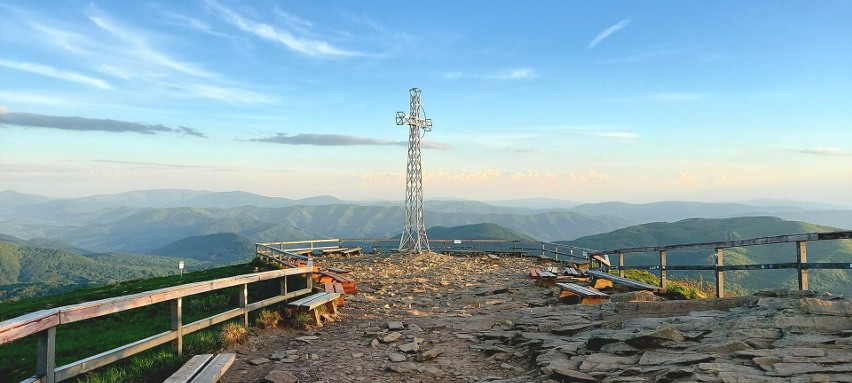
710 230
27 271
220 249
477 231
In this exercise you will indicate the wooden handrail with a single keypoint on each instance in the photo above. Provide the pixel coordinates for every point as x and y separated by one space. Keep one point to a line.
43 323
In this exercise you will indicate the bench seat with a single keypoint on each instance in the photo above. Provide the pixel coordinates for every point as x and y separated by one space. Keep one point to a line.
204 368
348 283
631 283
584 295
311 302
546 278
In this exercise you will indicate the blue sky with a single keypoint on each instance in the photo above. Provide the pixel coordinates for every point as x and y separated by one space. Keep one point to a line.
587 101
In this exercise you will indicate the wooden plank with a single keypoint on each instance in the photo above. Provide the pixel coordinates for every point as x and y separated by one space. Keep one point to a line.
88 364
623 281
278 298
190 369
101 307
34 379
582 290
313 301
739 243
210 321
215 369
28 324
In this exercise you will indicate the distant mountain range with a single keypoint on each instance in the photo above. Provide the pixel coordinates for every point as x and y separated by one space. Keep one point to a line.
144 221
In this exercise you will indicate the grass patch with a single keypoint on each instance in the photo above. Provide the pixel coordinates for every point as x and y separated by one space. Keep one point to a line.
268 319
678 288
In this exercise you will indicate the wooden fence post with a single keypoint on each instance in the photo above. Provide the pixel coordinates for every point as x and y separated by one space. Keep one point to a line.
556 254
621 265
663 269
802 257
244 304
46 355
542 249
177 325
284 285
720 279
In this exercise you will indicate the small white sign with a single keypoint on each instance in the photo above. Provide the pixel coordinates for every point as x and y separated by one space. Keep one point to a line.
456 241
180 265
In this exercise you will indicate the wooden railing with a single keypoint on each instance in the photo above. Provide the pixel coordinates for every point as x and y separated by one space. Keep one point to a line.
43 323
526 248
801 264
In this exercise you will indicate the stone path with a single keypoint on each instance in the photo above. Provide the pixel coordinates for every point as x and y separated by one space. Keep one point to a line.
433 317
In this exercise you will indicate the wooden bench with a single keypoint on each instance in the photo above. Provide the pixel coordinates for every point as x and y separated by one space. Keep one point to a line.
584 295
334 250
338 271
493 259
533 273
630 283
311 302
348 283
203 368
546 278
354 250
334 287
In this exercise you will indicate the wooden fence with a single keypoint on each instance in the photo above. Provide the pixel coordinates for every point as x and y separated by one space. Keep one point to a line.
801 265
43 323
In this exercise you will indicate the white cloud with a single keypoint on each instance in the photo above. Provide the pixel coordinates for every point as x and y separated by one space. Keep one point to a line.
301 44
516 74
45 70
823 151
506 74
139 49
608 32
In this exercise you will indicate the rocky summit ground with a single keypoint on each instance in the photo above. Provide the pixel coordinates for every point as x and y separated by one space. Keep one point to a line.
441 318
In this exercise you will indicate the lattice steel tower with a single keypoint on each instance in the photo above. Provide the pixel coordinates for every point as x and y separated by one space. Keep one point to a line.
413 238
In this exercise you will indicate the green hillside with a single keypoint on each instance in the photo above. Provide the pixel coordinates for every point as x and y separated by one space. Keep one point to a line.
698 230
28 271
476 231
221 249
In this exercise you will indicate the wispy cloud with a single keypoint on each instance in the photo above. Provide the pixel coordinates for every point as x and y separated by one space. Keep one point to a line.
301 44
139 48
118 49
189 132
823 151
506 74
45 70
608 32
516 74
616 134
340 140
157 164
674 96
31 120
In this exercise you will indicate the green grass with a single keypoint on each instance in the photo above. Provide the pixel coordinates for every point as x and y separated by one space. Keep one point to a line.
86 338
684 288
